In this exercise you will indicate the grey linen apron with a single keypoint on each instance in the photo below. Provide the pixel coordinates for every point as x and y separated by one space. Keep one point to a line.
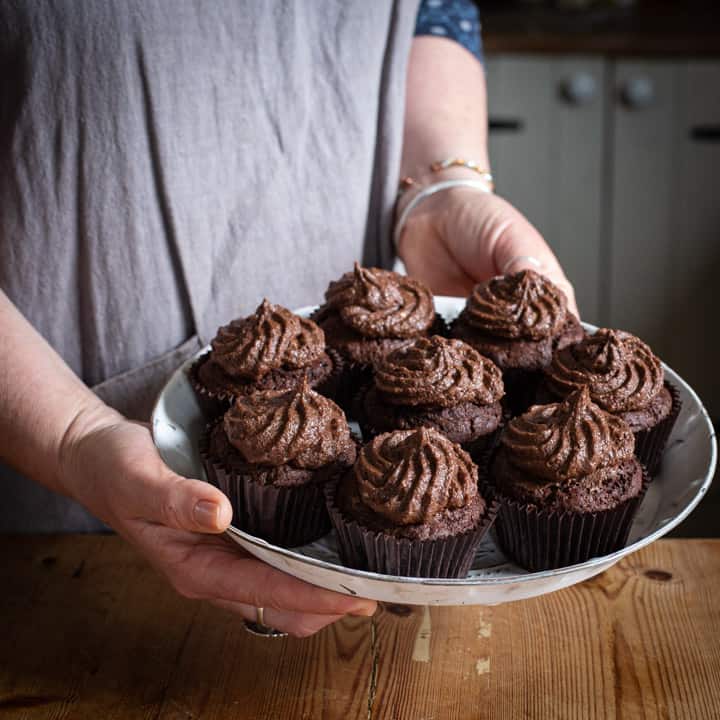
165 164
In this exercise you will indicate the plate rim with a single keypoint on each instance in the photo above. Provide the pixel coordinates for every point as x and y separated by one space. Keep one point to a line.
454 583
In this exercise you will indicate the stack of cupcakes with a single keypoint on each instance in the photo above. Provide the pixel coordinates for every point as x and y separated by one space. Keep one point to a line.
410 506
272 349
271 454
625 378
518 321
565 478
439 383
370 312
568 482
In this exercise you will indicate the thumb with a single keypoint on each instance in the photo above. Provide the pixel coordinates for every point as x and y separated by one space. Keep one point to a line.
184 504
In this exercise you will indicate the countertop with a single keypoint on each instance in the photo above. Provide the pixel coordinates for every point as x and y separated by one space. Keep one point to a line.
90 631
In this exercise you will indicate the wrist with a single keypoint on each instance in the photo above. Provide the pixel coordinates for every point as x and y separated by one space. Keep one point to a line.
436 198
90 418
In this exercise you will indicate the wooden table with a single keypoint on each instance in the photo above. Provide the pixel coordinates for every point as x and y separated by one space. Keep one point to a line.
89 631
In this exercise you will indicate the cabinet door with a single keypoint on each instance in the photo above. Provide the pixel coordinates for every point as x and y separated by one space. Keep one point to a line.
665 230
547 127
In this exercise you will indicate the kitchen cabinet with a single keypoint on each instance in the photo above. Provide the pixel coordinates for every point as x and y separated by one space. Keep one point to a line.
620 178
546 151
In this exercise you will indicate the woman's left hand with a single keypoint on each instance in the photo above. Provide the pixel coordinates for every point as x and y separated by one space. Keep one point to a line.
461 236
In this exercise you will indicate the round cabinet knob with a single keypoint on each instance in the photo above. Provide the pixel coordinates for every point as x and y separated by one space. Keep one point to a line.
579 89
638 93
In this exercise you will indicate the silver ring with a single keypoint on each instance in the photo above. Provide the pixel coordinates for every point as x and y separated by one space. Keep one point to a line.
531 259
260 628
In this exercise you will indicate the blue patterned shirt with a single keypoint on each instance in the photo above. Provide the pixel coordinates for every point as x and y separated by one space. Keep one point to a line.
457 20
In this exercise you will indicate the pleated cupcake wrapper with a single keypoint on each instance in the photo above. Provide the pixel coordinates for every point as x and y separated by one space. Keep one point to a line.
331 386
545 540
650 444
214 404
366 549
285 516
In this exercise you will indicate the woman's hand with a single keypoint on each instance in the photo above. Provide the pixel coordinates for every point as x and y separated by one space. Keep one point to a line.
461 236
112 467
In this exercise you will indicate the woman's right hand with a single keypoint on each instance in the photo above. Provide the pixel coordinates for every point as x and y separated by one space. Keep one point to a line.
111 466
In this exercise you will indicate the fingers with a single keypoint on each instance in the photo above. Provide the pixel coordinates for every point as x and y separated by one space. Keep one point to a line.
210 568
519 246
298 625
230 576
184 504
148 490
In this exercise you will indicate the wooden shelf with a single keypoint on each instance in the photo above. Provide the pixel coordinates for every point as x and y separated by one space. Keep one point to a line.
662 29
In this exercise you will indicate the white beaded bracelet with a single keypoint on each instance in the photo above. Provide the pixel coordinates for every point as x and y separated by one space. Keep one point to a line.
429 190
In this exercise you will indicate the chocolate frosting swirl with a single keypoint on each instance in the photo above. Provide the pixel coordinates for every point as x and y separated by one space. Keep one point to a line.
566 440
297 427
438 372
408 476
270 338
620 370
381 304
523 305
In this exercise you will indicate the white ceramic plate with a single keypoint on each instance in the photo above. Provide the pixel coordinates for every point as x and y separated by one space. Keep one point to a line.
688 467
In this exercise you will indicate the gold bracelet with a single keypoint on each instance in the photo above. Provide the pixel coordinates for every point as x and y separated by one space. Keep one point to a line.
407 182
461 162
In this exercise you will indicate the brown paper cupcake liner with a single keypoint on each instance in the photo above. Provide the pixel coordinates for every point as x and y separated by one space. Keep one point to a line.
331 386
366 549
544 540
650 444
285 516
212 404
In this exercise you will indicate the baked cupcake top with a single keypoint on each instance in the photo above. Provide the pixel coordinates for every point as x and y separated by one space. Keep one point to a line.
434 371
298 427
379 303
524 305
410 476
271 338
574 439
620 371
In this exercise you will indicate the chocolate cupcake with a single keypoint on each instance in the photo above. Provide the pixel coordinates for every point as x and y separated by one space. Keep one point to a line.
272 349
568 482
271 454
518 321
410 507
625 378
438 383
370 312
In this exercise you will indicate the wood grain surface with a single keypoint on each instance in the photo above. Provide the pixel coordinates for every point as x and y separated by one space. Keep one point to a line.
89 631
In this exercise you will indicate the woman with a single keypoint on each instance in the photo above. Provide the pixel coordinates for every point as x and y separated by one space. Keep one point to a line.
164 166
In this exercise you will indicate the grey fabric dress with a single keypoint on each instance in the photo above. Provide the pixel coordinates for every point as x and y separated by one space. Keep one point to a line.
165 164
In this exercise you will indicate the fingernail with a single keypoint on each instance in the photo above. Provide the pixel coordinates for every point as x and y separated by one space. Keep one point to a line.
364 610
206 514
